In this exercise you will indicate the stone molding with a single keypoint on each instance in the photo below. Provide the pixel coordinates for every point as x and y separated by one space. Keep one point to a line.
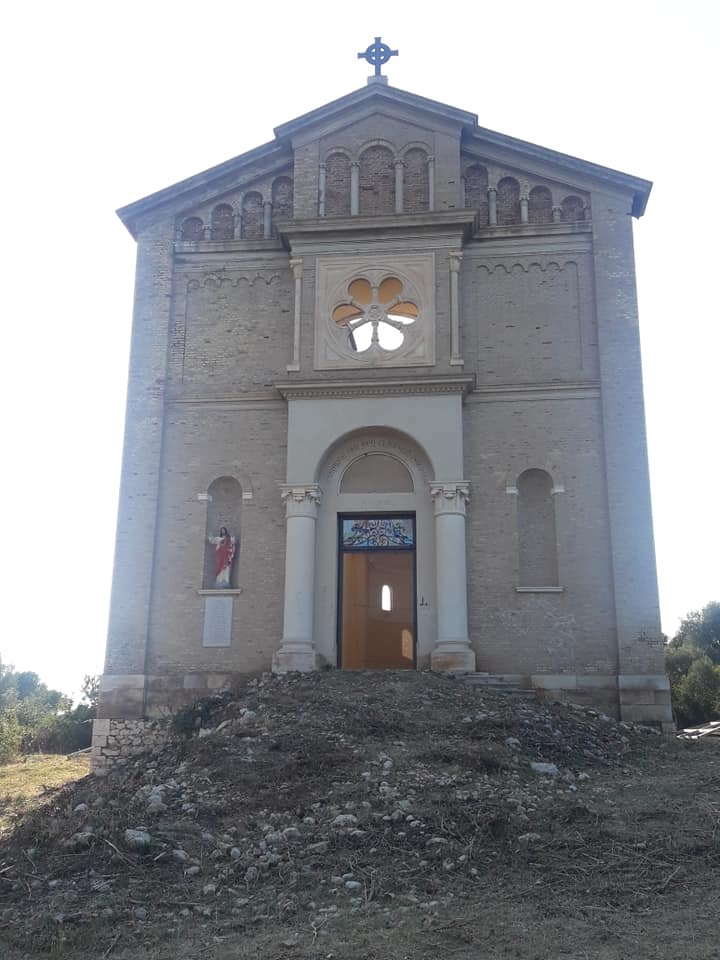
508 392
450 497
463 220
219 592
316 389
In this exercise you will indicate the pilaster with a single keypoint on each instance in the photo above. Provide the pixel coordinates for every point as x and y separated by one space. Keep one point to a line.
122 695
296 266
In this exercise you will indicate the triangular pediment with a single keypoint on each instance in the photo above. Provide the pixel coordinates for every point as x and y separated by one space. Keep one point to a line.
364 114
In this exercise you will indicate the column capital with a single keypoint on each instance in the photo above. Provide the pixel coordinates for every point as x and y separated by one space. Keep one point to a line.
399 162
323 165
296 265
267 203
301 499
355 164
450 496
455 260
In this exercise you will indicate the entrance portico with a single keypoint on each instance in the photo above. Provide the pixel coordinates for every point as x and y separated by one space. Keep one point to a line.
378 449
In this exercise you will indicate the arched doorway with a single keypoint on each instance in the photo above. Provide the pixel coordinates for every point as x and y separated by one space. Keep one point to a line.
375 587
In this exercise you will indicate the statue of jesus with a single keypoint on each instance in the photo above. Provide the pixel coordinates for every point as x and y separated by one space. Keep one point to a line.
224 553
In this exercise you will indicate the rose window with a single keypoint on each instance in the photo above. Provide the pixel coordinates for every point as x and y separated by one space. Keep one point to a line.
375 316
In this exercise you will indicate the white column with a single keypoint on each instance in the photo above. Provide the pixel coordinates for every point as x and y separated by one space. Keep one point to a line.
524 209
321 190
297 651
455 260
354 188
431 183
267 219
492 206
556 214
399 184
296 267
453 650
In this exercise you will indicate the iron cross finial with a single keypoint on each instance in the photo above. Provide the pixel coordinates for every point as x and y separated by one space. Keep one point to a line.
377 54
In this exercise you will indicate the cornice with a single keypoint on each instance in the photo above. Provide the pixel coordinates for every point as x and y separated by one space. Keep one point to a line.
455 221
347 389
507 392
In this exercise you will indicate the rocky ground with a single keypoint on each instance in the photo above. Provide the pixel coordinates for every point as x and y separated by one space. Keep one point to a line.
362 815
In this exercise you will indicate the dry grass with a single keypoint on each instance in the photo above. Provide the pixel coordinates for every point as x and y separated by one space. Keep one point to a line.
25 784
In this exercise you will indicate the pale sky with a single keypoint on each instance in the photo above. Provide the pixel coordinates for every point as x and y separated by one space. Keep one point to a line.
105 103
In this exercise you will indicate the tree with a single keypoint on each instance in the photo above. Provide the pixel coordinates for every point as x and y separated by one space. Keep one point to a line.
701 628
692 661
698 693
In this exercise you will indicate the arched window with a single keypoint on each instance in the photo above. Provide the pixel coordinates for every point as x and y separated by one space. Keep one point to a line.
192 229
337 186
572 209
536 530
476 191
416 184
222 222
540 205
377 181
508 201
224 503
386 598
282 200
252 216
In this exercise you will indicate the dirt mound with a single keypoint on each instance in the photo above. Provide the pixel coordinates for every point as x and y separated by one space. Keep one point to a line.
362 813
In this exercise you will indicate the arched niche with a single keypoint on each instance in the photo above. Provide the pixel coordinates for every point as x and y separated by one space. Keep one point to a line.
192 229
377 180
252 216
537 541
337 185
508 201
224 507
416 182
222 222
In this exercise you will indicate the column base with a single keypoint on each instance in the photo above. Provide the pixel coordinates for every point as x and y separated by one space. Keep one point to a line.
289 660
453 658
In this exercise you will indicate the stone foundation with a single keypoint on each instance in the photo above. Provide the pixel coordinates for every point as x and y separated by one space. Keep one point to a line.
116 742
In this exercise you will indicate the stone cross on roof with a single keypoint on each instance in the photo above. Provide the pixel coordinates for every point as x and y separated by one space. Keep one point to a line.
377 54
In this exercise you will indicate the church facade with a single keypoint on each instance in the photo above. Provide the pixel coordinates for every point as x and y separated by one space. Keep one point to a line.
385 411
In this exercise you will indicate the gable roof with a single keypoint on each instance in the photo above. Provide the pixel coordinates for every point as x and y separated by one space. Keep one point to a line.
377 94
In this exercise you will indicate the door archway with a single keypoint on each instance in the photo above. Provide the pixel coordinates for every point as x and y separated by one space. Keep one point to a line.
375 474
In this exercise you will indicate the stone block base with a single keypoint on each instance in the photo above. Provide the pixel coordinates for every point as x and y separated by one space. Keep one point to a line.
117 742
454 658
642 698
295 661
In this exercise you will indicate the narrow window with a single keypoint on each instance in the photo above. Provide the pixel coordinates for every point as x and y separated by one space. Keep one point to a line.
386 598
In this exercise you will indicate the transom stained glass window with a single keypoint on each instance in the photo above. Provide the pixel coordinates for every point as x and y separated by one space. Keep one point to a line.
371 533
375 314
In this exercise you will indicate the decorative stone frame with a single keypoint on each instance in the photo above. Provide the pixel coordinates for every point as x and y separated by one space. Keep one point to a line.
334 274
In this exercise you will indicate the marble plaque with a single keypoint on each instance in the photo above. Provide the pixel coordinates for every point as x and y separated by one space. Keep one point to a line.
217 627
